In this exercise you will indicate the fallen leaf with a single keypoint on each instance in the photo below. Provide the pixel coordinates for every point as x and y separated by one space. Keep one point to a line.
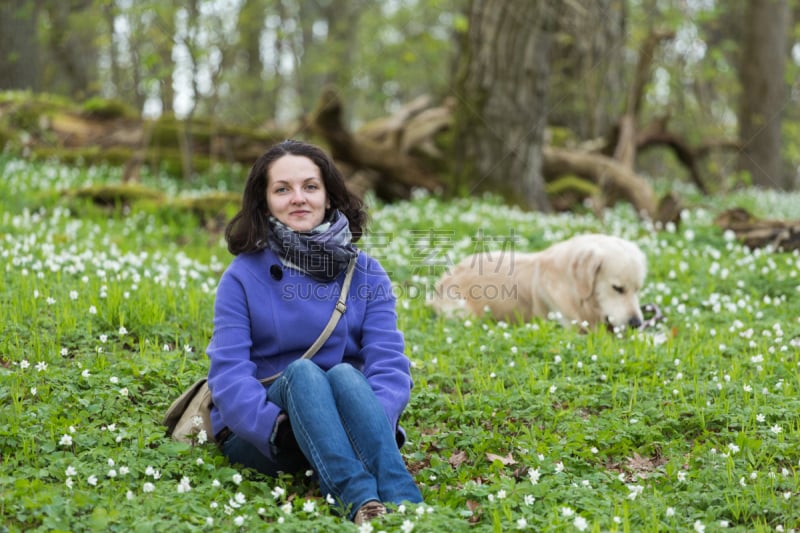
457 459
507 460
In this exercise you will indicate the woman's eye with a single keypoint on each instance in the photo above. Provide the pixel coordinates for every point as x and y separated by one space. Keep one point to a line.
618 288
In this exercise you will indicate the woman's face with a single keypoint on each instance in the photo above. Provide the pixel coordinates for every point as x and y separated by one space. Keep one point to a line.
296 193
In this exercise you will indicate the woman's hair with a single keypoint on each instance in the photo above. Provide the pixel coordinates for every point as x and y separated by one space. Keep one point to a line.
248 229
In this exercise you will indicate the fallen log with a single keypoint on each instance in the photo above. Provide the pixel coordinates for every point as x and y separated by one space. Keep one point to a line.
753 232
605 171
386 146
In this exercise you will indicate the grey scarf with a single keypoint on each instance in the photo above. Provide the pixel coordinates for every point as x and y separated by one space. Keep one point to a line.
323 253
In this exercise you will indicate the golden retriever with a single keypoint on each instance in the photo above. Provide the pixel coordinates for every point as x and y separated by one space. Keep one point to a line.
586 280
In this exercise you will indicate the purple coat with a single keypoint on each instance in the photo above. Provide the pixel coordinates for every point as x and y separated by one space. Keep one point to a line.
266 315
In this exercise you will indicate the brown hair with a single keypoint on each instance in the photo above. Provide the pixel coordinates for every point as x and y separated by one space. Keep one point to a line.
248 229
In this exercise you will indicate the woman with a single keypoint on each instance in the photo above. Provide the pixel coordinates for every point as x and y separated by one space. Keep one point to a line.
338 412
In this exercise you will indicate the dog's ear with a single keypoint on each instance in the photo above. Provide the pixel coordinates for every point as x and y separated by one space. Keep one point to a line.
585 267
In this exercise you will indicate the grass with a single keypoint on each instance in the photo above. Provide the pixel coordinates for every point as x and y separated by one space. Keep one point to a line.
689 426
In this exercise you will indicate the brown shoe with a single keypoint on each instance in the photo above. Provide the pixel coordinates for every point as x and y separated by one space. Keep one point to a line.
369 511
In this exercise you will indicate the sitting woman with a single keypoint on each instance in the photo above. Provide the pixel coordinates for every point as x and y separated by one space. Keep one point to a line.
338 412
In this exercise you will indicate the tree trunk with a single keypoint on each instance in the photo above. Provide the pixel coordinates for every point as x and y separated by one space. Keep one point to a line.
502 116
592 52
19 48
72 49
761 73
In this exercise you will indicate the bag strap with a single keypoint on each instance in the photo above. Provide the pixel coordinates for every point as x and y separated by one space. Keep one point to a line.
338 311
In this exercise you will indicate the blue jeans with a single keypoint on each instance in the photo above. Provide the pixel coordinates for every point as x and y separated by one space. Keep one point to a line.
343 432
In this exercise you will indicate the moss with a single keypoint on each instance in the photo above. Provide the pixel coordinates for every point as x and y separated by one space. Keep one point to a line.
107 109
115 193
88 155
571 183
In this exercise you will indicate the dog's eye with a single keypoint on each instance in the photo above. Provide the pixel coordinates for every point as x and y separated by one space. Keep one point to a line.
619 288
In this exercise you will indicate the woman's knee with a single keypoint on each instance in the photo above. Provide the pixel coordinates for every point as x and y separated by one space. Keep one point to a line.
345 373
302 368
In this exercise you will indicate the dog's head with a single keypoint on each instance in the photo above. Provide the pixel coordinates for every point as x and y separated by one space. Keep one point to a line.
609 273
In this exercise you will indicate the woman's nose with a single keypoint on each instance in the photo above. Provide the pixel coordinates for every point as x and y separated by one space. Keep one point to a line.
297 196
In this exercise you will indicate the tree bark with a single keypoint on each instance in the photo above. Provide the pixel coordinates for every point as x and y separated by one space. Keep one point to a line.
502 117
19 47
761 73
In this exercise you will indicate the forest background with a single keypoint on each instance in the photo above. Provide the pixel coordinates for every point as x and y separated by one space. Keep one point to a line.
489 85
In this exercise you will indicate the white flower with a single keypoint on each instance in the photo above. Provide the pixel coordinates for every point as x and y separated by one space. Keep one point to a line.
183 485
92 480
24 364
187 348
86 373
114 379
580 523
529 500
277 492
123 392
148 487
92 310
733 448
202 437
129 495
501 494
66 440
237 478
71 471
209 521
670 511
112 473
124 470
760 418
238 521
216 484
309 506
567 512
103 338
41 366
699 527
122 330
68 482
408 526
776 429
287 508
240 498
635 491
